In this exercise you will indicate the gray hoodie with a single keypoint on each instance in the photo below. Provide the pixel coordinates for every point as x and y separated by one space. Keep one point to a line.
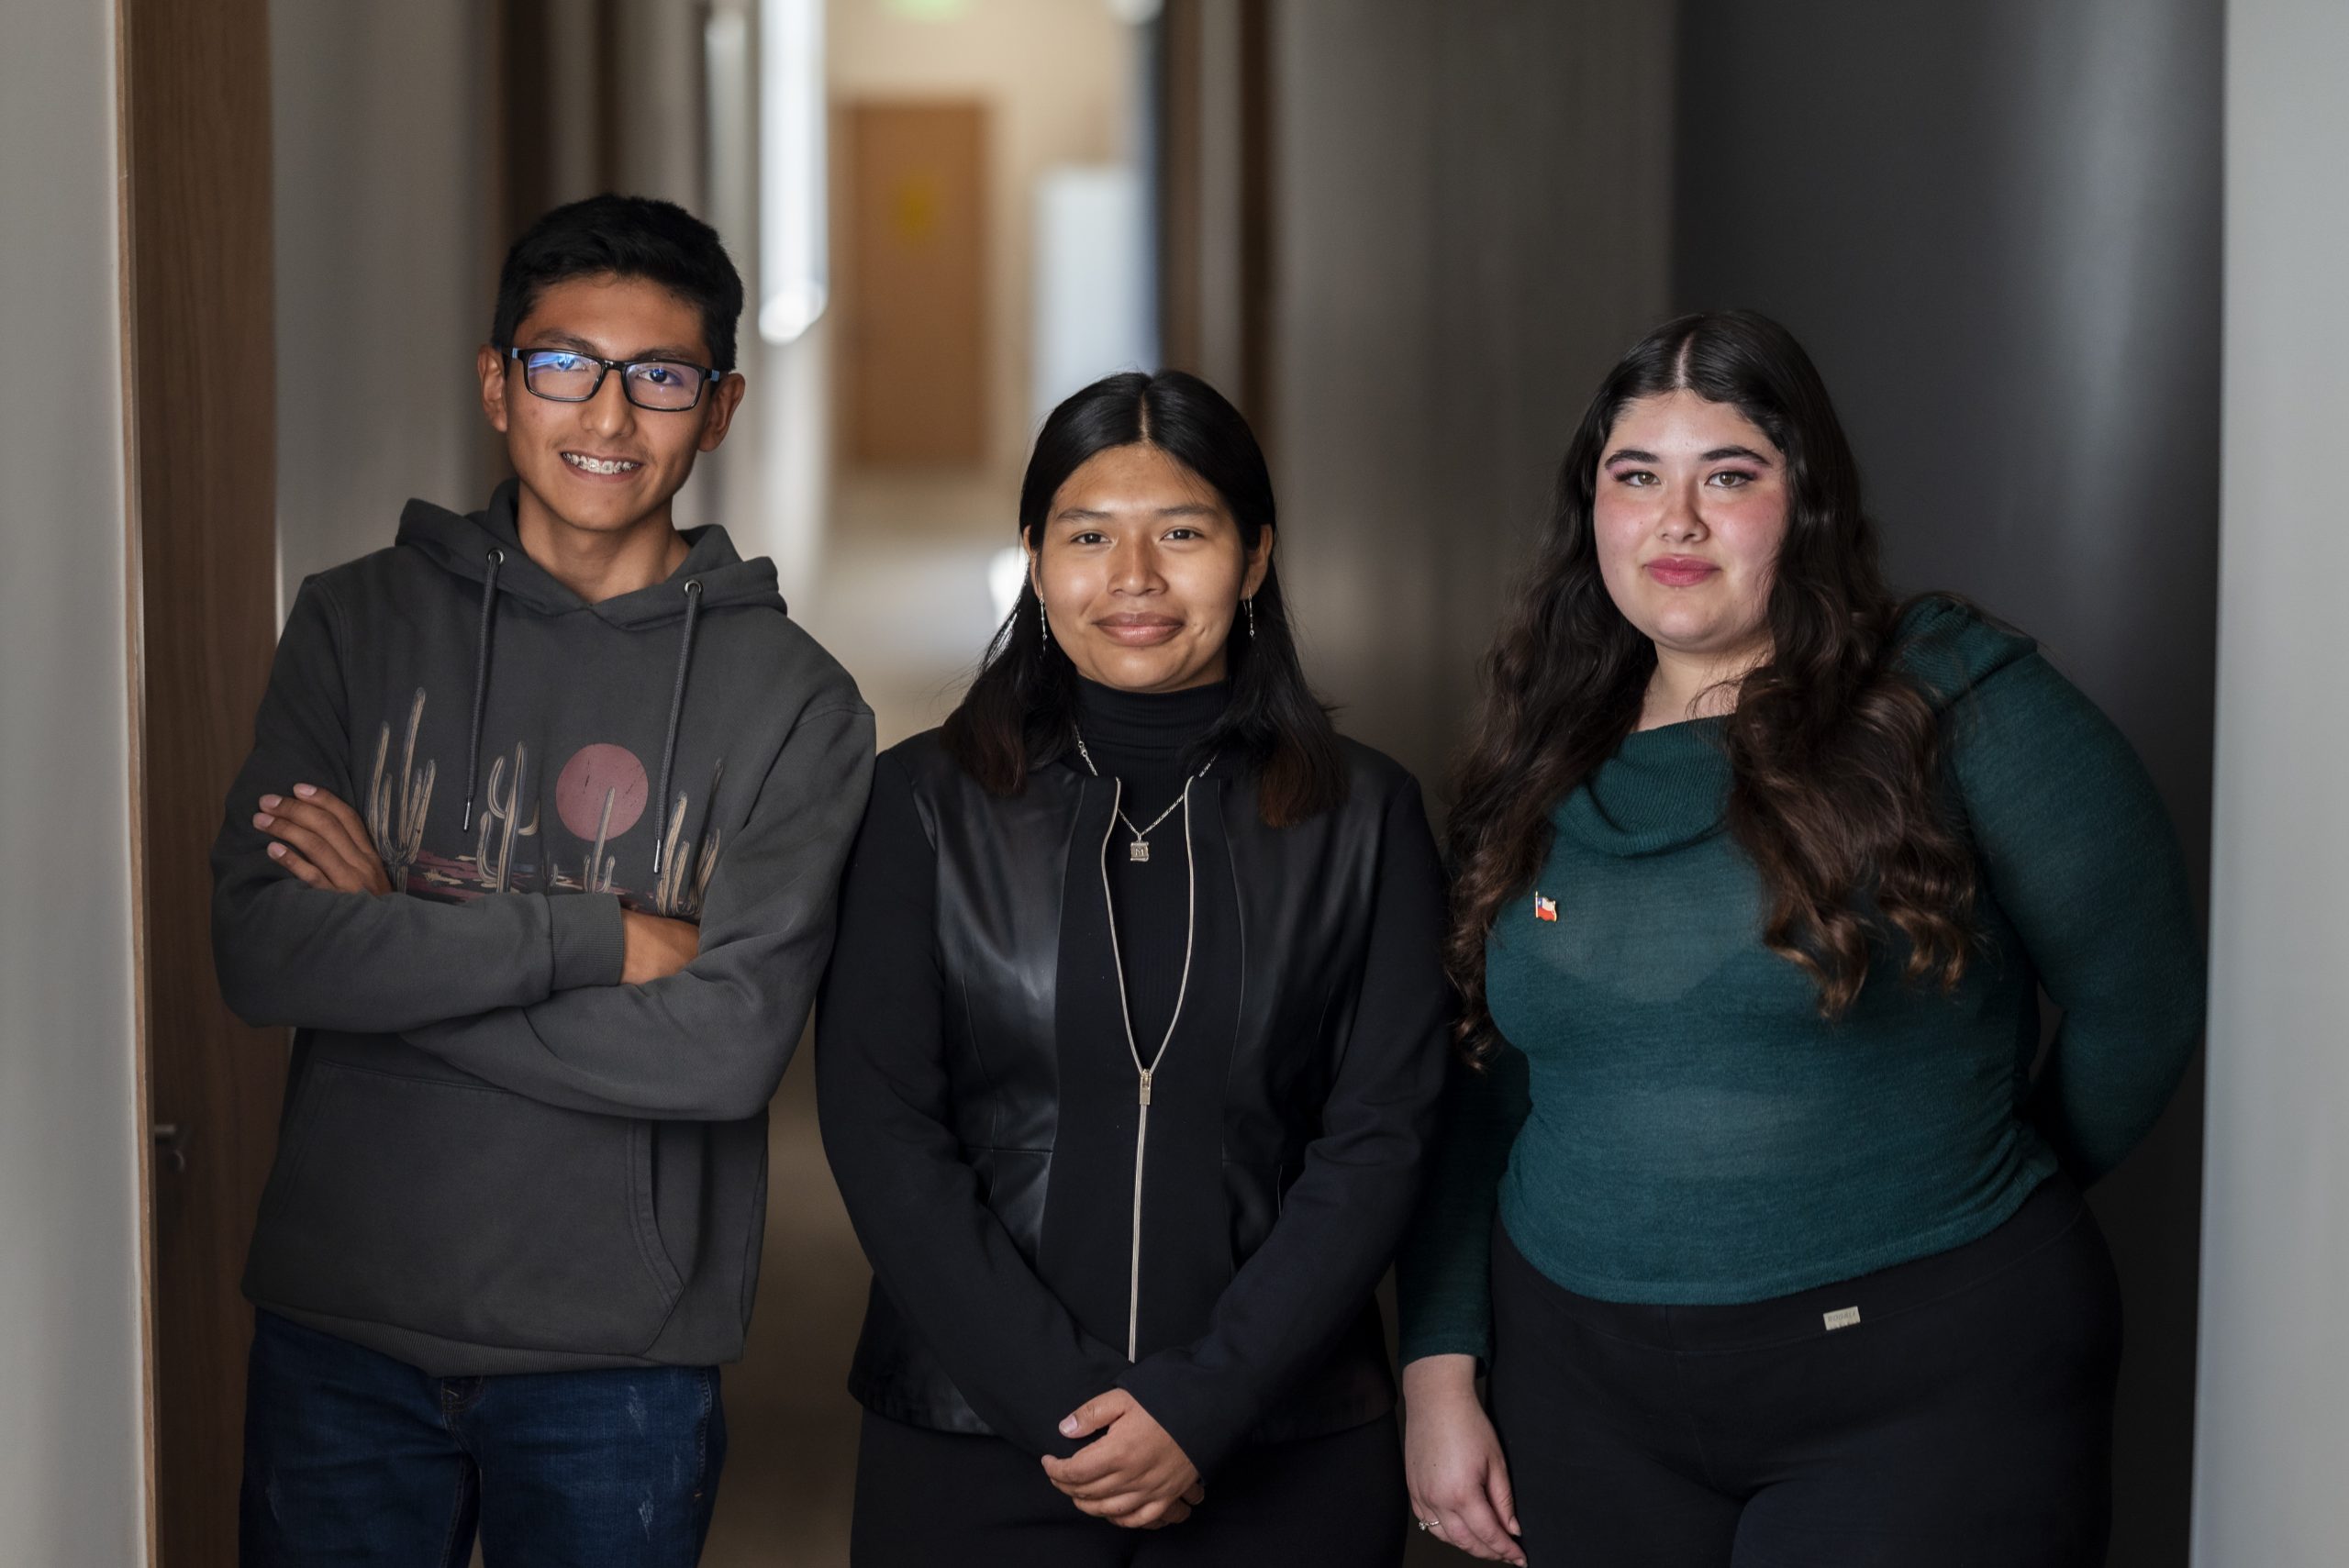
495 1156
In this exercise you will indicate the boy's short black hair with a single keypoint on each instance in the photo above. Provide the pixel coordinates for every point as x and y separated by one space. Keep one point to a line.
634 236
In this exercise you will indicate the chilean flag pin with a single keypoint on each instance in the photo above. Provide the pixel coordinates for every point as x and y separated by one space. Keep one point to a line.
1544 908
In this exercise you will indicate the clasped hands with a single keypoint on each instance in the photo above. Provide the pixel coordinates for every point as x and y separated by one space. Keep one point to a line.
1134 1474
322 841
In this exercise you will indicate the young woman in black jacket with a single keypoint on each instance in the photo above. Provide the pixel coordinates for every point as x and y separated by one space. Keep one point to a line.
1127 1051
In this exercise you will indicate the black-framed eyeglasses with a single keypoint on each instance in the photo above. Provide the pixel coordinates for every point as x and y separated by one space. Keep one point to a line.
566 375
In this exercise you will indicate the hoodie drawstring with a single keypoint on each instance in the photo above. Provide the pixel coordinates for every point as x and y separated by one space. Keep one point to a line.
676 709
481 684
676 703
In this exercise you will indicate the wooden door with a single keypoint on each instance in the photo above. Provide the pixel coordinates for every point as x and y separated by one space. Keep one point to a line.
201 405
915 370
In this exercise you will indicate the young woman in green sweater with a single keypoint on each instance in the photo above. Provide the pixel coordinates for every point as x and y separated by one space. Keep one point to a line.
1757 1201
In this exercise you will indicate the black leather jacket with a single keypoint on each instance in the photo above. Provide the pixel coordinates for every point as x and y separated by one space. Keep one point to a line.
1337 1059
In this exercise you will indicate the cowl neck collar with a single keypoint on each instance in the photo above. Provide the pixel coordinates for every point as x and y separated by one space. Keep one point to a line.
1668 788
1663 789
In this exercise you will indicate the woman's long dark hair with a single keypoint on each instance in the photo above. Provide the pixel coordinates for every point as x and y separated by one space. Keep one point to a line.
1019 713
1834 753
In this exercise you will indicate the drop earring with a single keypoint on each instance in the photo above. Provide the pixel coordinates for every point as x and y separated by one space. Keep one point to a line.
1043 624
1250 605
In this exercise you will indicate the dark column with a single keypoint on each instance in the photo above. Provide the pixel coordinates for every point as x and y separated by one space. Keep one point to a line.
1996 226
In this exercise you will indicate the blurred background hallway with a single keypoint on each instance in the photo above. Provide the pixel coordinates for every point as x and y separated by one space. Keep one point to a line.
1407 238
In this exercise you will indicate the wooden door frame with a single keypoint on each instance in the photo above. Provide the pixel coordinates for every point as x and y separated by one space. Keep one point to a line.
199 432
142 1114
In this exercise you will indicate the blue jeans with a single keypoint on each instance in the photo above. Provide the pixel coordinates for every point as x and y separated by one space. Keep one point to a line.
353 1458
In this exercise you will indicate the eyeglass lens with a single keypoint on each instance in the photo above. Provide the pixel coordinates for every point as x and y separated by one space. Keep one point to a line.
649 383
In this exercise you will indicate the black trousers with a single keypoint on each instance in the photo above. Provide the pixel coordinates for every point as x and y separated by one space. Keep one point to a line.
1961 1417
928 1499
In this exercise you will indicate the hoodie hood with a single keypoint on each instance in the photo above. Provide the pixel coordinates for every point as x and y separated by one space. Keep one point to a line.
1668 788
486 547
463 546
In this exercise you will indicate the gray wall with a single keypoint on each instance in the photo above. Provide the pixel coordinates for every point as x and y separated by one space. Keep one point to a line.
382 179
1471 222
1996 226
70 1355
2274 1446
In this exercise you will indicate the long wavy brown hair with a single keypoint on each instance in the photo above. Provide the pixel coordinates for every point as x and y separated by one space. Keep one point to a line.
1833 752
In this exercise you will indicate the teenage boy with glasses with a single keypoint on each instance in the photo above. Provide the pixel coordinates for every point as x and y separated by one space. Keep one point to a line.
536 852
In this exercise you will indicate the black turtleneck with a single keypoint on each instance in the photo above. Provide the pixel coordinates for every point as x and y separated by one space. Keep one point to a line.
1152 735
1148 742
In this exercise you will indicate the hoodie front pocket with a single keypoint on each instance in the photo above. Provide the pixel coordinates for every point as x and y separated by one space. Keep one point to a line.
465 1213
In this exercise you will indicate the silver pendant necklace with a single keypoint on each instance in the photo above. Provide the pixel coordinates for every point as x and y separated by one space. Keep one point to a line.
1140 849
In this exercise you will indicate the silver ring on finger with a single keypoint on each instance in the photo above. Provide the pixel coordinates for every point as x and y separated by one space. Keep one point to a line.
1433 1526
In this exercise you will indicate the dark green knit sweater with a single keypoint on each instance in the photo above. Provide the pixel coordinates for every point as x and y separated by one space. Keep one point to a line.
1673 1122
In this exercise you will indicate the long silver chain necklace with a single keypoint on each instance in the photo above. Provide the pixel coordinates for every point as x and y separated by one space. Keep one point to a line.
1140 849
1147 1070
